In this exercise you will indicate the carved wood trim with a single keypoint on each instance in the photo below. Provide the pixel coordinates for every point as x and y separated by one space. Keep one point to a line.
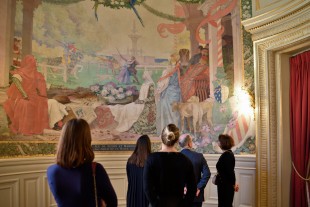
266 101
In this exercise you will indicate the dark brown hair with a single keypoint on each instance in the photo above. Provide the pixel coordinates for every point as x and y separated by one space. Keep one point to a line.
226 141
141 152
74 147
170 135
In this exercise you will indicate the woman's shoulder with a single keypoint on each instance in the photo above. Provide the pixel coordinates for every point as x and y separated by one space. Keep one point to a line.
154 155
54 169
228 154
157 155
165 155
100 168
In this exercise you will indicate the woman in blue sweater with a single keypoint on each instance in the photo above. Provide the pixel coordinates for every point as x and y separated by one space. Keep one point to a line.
71 178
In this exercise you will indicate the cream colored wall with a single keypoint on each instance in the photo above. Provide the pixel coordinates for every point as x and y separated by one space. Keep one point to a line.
23 182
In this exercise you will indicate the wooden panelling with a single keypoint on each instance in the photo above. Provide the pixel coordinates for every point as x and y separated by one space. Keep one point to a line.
23 182
32 191
9 192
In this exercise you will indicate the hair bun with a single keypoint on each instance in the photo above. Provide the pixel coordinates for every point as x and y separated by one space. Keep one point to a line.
171 136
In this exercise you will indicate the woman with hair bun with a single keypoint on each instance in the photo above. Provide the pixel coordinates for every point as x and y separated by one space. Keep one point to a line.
168 172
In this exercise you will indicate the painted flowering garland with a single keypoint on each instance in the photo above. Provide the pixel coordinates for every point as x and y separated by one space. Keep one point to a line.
117 4
191 1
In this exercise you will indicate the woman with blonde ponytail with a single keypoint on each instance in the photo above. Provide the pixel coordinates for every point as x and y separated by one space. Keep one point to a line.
167 173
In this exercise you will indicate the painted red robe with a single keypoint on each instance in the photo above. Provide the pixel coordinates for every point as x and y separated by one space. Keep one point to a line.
28 116
196 82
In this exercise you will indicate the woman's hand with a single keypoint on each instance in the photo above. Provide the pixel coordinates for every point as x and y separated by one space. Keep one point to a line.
236 187
197 192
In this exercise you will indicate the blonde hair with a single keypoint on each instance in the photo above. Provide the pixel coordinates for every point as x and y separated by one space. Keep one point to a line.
170 135
74 147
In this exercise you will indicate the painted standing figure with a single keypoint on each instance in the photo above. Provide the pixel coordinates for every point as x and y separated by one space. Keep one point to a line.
129 69
196 80
168 91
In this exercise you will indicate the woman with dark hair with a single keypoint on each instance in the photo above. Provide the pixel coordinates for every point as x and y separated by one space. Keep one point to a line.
134 169
168 172
71 178
226 178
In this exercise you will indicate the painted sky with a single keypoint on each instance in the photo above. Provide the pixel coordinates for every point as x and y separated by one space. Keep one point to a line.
62 22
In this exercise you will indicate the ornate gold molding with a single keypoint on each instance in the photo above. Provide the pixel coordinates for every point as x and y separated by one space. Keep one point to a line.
260 27
282 27
283 18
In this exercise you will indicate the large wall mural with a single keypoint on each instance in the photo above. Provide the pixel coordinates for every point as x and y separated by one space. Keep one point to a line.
130 68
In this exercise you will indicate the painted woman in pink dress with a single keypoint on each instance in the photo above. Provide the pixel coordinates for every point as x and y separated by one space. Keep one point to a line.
26 106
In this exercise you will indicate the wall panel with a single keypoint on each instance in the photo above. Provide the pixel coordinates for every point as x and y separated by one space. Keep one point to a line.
23 182
32 191
9 195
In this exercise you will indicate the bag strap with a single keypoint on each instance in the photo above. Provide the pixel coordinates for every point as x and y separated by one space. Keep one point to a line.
95 186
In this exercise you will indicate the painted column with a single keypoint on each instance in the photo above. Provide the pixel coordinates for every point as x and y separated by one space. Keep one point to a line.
212 32
219 33
28 9
237 46
7 22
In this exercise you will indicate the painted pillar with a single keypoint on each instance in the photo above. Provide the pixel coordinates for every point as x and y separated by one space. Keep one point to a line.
219 43
237 46
7 22
28 8
212 31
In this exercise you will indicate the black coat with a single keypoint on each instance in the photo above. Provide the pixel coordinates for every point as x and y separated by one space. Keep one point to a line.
135 193
165 176
226 170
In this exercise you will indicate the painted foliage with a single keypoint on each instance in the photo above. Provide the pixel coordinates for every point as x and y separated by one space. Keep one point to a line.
131 67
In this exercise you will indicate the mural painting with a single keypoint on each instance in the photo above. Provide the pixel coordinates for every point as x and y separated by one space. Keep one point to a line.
129 68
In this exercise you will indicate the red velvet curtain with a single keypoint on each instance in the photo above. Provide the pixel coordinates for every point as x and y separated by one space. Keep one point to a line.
300 128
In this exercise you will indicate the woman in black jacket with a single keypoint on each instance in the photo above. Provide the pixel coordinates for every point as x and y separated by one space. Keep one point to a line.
168 172
225 166
134 169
